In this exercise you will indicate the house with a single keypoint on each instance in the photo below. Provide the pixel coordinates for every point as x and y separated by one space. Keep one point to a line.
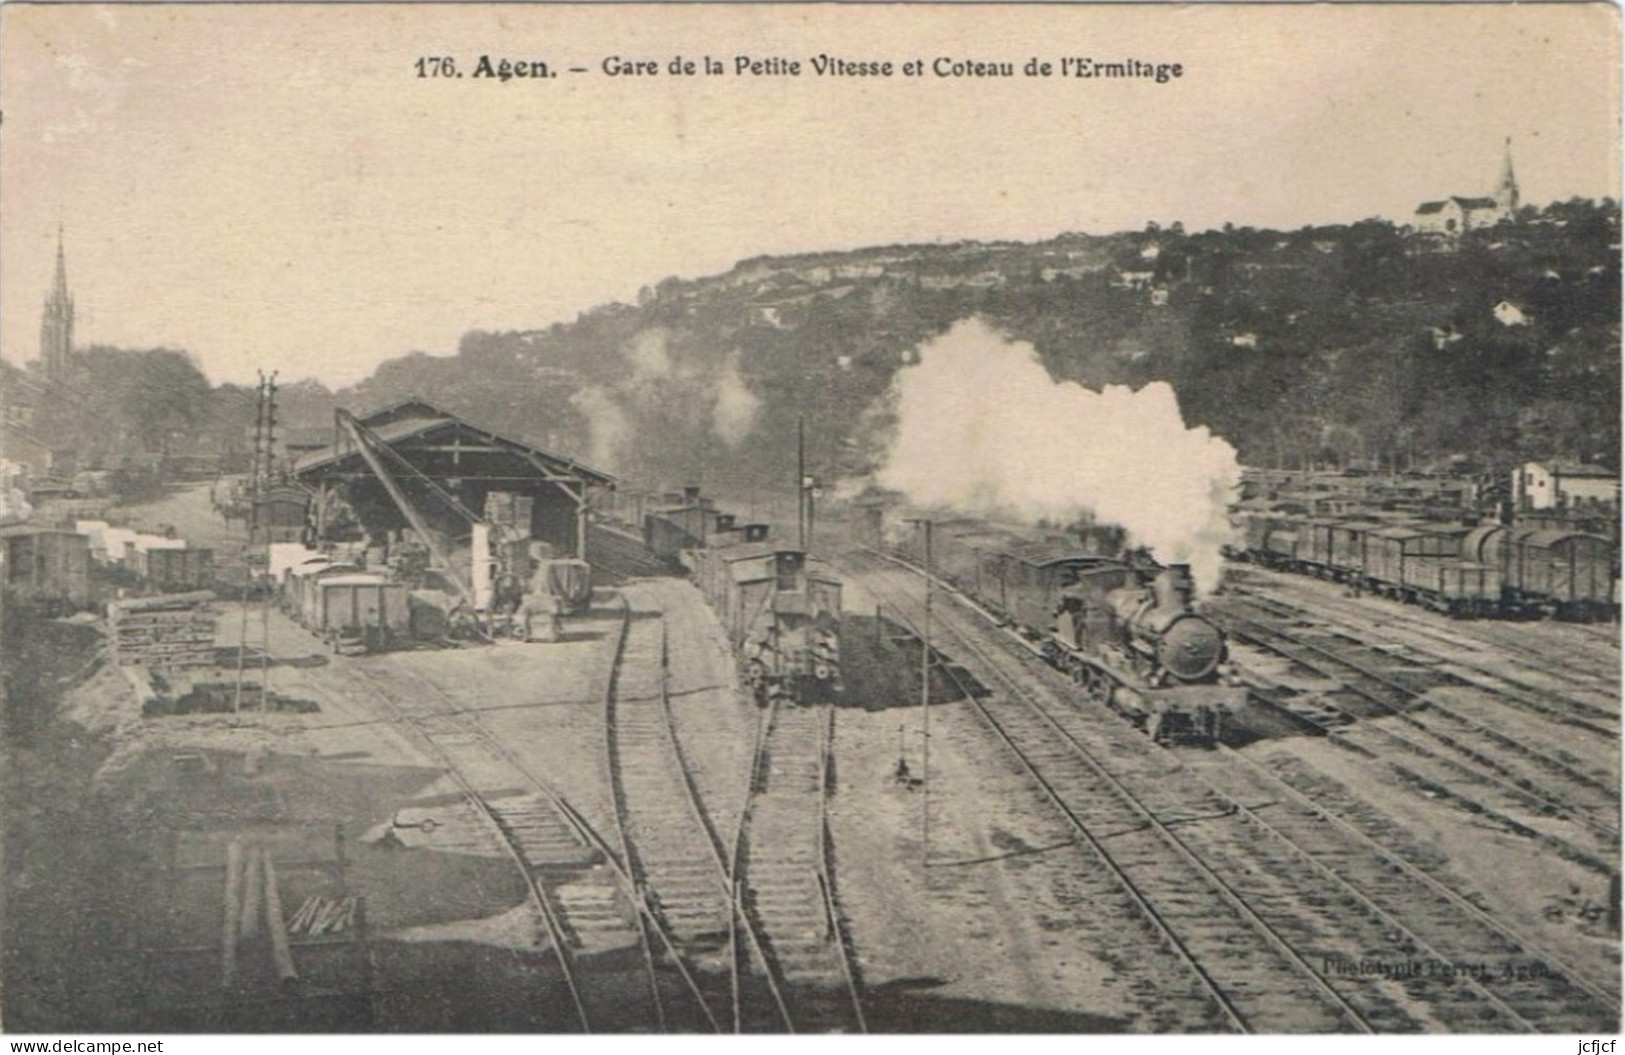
1509 314
1453 216
1564 485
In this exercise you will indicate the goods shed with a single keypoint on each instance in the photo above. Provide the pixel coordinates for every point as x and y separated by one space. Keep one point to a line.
416 468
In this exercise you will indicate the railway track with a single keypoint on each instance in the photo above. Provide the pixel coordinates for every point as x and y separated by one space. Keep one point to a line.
785 876
540 841
1313 897
587 900
1541 987
1240 958
668 841
1438 732
756 913
1429 774
1464 671
1589 696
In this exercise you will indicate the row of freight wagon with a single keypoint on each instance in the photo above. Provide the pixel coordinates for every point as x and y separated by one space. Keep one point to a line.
360 611
780 607
1489 570
162 561
351 610
52 566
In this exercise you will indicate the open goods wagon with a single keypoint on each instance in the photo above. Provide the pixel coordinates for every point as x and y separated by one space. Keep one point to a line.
357 612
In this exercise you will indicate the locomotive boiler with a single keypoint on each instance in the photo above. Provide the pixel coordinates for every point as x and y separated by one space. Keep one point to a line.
1137 647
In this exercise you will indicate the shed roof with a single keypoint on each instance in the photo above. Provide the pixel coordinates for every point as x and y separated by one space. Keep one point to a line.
418 419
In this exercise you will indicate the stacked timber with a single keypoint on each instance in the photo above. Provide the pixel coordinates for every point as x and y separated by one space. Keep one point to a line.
171 630
253 904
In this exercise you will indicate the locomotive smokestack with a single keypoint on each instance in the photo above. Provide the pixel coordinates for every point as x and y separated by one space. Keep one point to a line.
1183 587
1173 586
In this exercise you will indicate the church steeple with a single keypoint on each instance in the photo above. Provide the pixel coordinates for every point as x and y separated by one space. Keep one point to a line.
56 324
1506 192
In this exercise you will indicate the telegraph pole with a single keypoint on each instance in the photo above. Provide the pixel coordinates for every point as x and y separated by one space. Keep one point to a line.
925 715
925 706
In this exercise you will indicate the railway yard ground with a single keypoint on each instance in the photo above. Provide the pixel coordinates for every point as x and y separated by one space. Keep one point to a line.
1412 826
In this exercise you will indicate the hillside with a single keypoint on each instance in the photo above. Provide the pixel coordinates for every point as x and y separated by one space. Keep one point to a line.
1332 345
1326 344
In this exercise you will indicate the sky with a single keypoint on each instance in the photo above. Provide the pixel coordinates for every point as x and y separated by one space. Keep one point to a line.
275 186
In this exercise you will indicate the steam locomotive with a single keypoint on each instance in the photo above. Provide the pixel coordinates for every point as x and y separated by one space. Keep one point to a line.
780 606
1121 626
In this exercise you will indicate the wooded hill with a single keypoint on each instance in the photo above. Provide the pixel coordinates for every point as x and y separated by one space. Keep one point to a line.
1329 345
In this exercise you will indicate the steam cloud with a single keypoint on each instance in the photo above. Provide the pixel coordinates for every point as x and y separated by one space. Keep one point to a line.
660 391
609 428
647 355
984 430
734 414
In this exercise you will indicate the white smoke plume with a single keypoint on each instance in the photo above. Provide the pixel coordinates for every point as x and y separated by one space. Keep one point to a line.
983 429
734 413
608 425
648 356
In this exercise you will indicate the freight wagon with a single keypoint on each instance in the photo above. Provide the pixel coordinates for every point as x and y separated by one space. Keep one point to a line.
357 612
780 609
1564 573
281 514
47 565
1492 569
671 531
177 570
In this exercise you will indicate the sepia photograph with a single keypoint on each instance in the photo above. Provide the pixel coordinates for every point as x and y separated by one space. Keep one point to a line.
768 518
